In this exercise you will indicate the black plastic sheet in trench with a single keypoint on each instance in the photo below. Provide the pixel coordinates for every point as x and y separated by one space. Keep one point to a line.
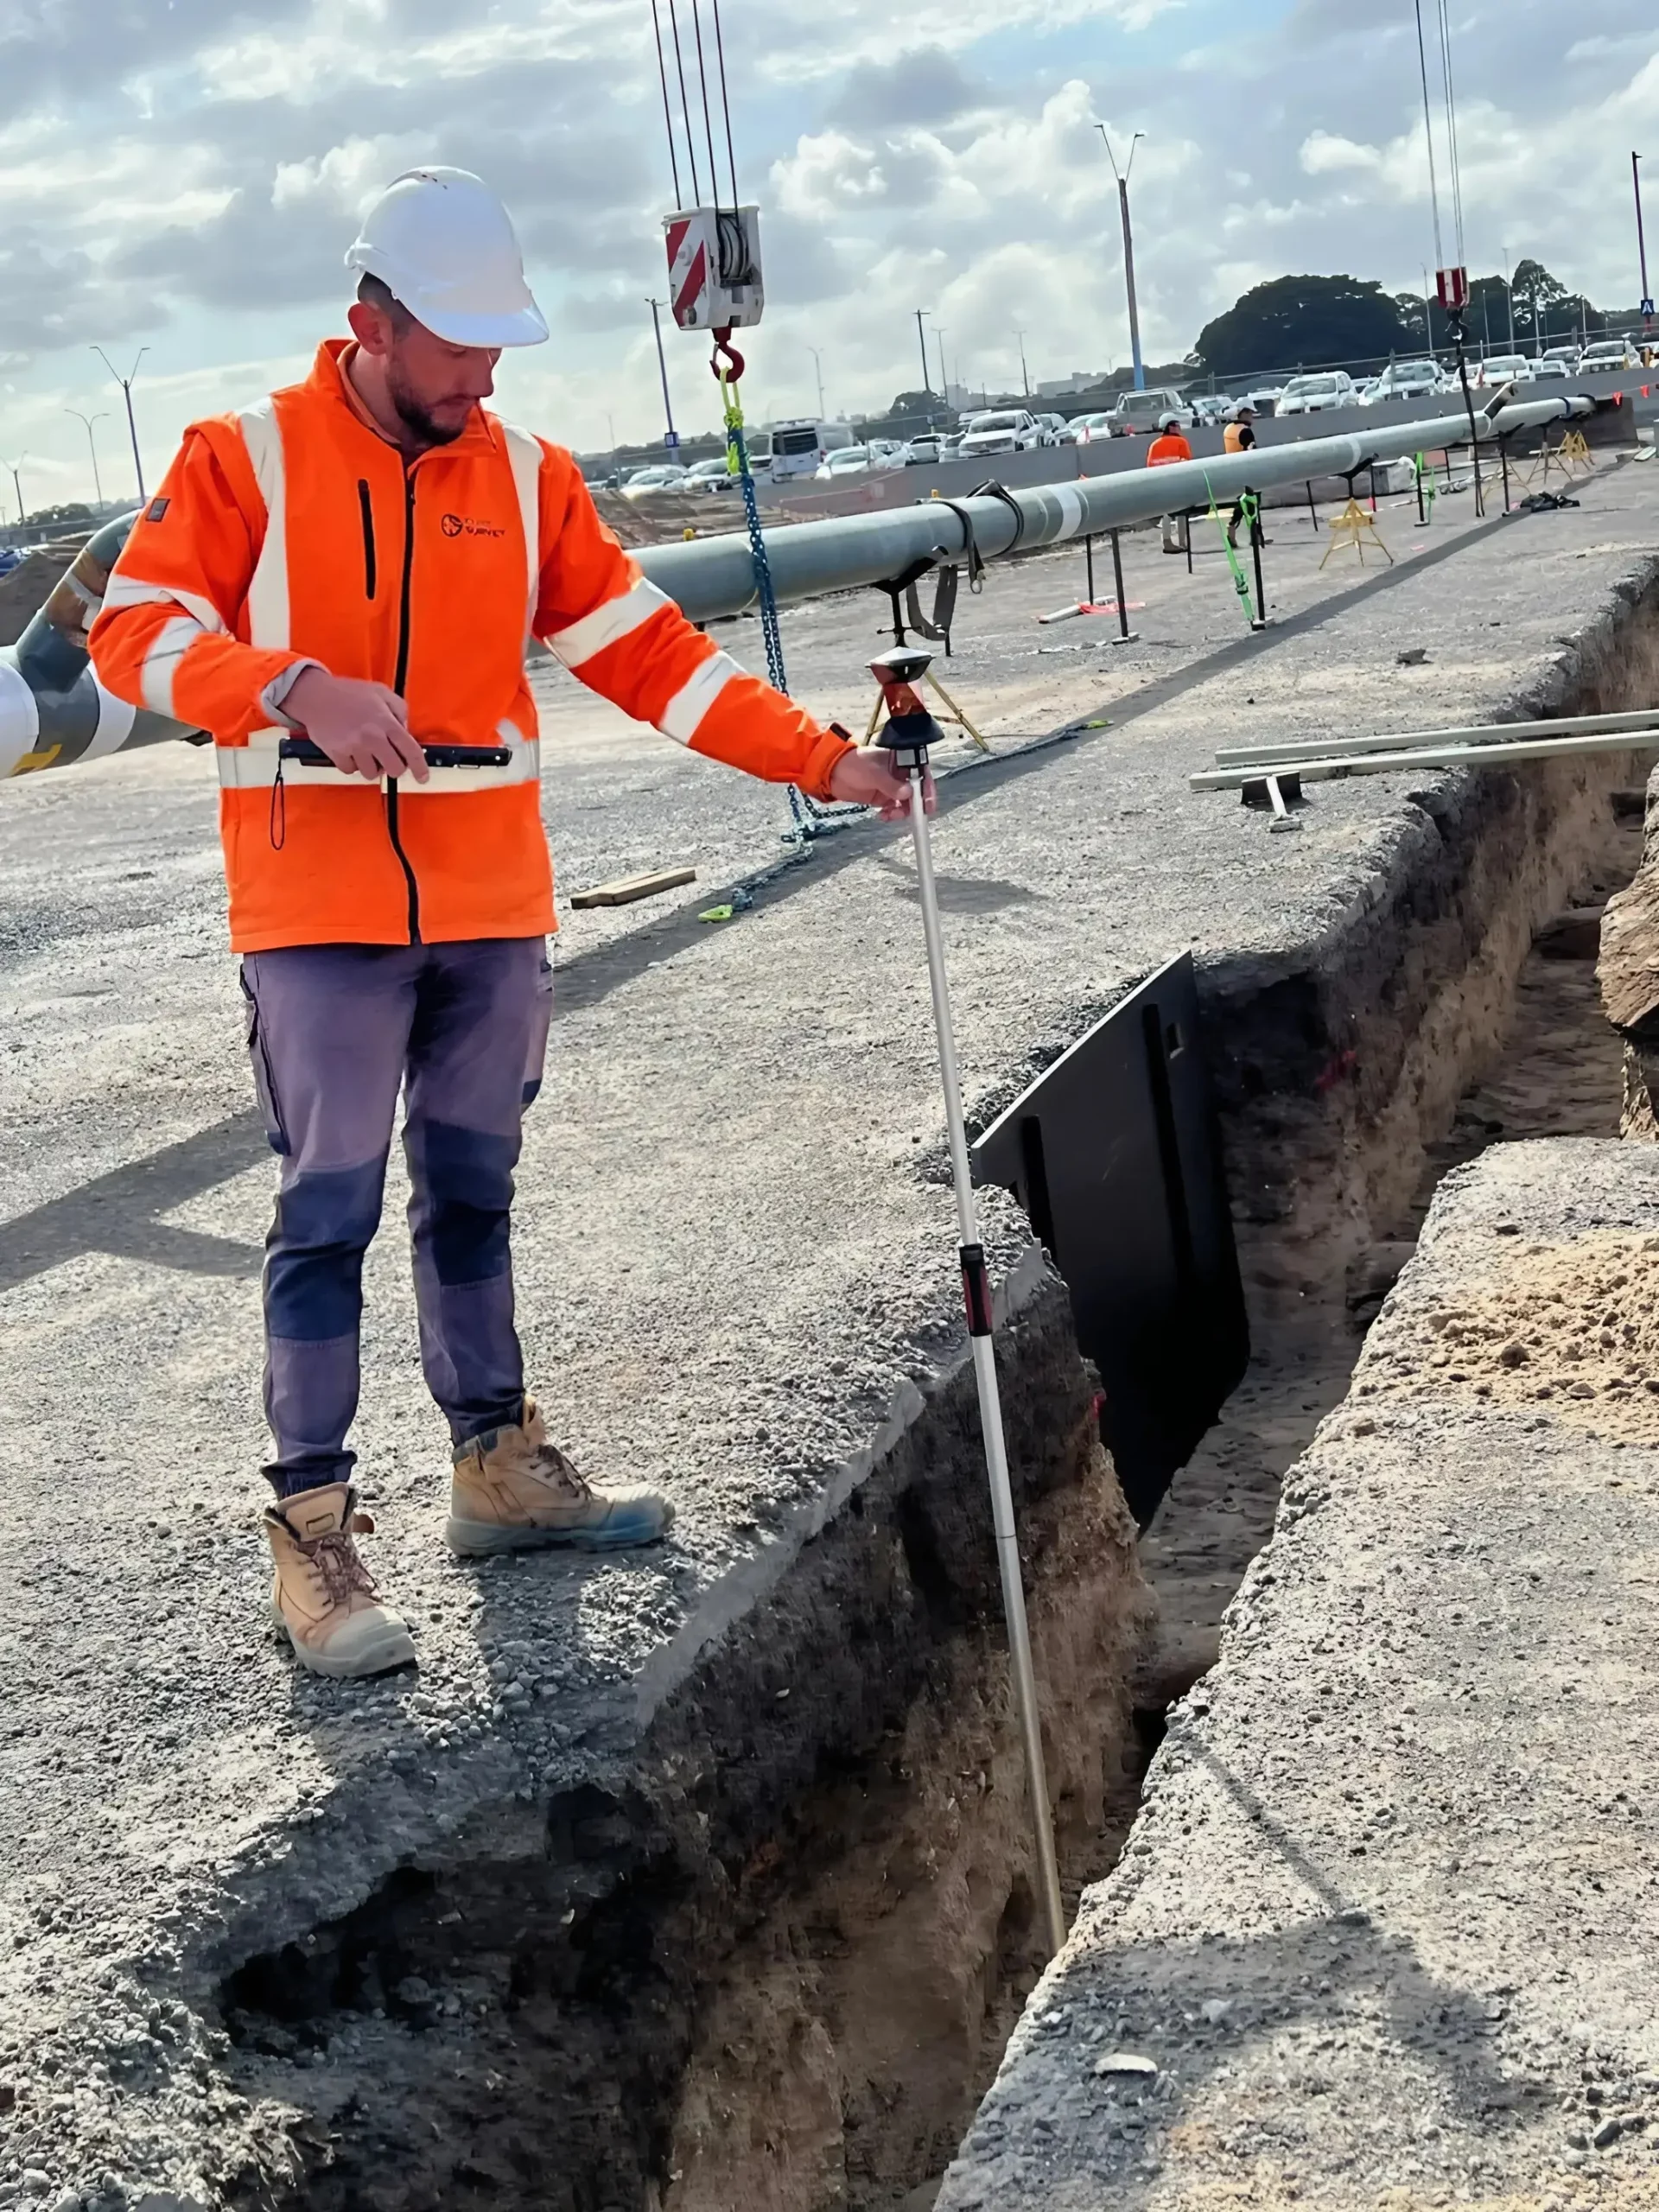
1114 1154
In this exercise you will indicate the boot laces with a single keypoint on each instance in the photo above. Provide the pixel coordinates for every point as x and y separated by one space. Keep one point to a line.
338 1564
550 1464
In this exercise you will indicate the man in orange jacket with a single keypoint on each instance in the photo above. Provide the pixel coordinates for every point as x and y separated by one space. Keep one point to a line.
337 583
1169 445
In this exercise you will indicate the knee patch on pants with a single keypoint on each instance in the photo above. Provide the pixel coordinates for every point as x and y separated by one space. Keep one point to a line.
463 1200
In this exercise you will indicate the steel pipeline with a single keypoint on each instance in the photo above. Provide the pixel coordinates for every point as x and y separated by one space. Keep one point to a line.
53 712
711 576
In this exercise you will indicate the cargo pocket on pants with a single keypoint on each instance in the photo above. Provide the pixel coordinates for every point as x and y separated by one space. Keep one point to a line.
541 1018
259 1059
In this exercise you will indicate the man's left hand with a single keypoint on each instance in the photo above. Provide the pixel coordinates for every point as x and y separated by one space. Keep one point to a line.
865 777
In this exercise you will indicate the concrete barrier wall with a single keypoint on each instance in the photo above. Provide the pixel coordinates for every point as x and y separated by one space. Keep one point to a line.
809 500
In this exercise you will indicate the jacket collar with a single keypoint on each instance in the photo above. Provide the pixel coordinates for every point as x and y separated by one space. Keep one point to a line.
326 382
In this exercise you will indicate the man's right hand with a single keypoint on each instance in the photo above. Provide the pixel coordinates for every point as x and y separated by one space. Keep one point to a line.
363 727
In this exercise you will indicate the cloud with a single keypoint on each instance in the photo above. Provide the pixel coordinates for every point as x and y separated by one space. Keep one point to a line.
924 84
1324 153
188 174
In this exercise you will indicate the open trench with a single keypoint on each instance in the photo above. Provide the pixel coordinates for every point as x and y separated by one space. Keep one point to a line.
774 1963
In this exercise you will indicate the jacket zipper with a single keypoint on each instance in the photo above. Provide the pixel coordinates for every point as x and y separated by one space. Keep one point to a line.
397 682
367 506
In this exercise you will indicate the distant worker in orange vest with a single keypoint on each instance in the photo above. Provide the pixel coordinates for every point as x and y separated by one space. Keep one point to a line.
1239 437
337 583
1169 446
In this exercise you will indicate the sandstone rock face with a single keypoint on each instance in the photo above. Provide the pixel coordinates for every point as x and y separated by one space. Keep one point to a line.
1628 973
1628 969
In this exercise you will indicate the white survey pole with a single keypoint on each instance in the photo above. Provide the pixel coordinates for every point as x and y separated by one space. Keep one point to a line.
907 735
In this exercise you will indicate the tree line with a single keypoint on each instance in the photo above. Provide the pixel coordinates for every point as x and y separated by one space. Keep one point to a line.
1317 321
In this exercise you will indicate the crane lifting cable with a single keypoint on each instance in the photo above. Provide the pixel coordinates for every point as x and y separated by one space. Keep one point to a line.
715 284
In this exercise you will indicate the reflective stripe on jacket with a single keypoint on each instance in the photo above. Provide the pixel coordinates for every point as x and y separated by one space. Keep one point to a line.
292 533
1168 446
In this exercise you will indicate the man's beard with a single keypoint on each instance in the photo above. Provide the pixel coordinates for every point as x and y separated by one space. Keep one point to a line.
414 418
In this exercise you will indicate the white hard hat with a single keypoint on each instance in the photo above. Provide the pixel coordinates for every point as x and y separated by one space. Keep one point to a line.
1169 421
444 245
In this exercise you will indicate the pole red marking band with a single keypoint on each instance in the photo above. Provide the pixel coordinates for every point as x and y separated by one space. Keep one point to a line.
975 1290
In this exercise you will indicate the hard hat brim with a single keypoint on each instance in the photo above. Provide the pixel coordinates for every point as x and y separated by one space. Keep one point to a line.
519 327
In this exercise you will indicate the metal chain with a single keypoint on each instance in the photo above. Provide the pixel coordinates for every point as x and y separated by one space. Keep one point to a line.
806 816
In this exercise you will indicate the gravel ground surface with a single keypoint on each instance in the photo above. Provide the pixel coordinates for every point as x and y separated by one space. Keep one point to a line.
734 1264
1386 1928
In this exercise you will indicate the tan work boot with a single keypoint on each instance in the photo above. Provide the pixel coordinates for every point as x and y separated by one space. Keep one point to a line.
514 1491
322 1594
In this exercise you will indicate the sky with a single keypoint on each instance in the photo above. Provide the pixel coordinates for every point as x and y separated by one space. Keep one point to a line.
185 175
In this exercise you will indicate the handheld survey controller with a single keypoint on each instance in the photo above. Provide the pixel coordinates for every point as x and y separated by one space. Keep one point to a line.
307 753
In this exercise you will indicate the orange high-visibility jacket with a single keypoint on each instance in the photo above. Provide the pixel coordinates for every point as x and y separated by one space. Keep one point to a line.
290 533
1237 437
1168 446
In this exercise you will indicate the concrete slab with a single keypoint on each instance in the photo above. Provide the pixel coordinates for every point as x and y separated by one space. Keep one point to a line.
735 1277
1386 1929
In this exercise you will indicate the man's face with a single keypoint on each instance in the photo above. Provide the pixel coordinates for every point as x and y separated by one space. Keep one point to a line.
433 384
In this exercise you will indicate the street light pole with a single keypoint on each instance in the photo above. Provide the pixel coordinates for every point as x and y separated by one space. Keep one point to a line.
673 437
1024 374
1508 292
101 416
1641 244
944 381
1122 177
921 340
17 483
126 383
817 365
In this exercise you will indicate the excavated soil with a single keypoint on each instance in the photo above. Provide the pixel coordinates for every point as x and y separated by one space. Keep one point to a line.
1573 1326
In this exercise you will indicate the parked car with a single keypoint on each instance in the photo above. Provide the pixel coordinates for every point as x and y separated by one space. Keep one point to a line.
1211 407
711 475
848 460
1552 365
1567 355
1137 414
801 445
1265 400
1609 354
1057 431
950 445
1315 394
1504 368
1003 429
662 476
886 452
922 450
1084 428
1402 380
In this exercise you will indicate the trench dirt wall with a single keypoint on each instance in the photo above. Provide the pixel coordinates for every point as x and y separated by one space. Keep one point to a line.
680 1989
1333 1076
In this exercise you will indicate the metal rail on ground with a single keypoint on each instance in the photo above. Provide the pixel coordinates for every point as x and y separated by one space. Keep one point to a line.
1499 744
